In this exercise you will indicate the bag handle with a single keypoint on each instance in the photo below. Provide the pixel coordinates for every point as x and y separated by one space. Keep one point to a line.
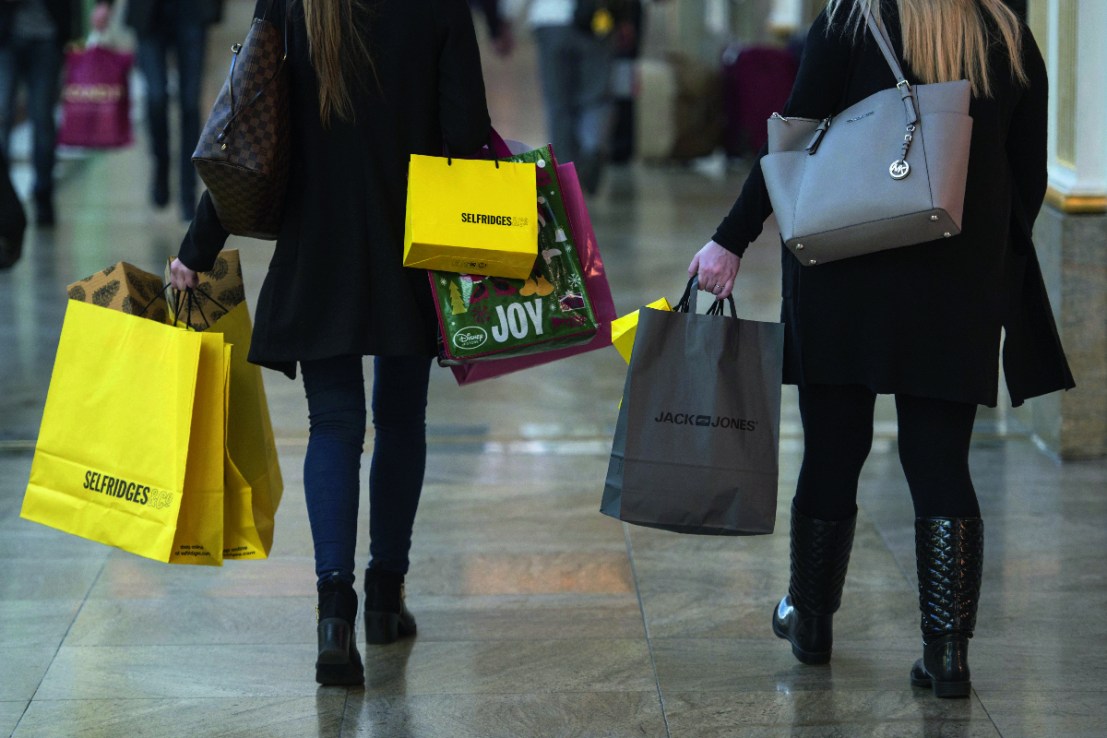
235 50
496 146
687 303
899 168
190 300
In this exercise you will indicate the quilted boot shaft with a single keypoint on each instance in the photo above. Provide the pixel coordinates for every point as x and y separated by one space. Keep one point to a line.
820 552
949 555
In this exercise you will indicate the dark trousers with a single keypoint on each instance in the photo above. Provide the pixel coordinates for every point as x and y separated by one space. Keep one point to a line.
335 391
36 64
934 438
575 72
187 39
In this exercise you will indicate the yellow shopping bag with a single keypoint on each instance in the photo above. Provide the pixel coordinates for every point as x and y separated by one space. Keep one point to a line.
624 328
251 471
253 483
474 216
130 436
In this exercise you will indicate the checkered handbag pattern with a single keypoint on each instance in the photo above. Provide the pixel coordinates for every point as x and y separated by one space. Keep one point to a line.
242 155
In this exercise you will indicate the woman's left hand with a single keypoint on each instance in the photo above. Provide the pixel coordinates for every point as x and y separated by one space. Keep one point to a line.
181 277
716 268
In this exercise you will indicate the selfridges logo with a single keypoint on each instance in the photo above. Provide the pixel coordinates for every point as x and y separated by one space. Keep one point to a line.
485 219
495 220
706 421
139 494
92 93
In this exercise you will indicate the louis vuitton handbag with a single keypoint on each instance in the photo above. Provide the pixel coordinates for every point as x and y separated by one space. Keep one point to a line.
242 155
905 148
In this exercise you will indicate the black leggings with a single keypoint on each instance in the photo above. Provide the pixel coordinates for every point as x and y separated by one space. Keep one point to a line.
934 440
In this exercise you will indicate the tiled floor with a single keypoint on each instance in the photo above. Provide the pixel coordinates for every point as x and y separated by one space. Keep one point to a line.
538 616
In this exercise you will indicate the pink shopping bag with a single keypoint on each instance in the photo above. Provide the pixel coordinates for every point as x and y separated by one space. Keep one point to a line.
95 99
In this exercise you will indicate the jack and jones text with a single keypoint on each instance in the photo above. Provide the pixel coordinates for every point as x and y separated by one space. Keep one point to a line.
706 421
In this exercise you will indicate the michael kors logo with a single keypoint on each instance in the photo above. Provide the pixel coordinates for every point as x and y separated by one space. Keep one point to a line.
899 169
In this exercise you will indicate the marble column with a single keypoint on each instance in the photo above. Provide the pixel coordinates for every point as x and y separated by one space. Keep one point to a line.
1071 232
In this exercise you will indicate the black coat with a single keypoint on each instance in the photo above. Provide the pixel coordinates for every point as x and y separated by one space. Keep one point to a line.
336 285
924 320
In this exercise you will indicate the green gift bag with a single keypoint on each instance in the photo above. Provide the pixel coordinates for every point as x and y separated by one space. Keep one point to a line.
482 317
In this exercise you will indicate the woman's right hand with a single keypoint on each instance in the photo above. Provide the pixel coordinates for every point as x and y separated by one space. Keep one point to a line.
716 269
181 277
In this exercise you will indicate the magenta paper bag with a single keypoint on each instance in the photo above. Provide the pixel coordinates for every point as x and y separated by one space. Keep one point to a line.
95 100
595 280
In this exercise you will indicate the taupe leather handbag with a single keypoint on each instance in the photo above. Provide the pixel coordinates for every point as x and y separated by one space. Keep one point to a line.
888 171
243 152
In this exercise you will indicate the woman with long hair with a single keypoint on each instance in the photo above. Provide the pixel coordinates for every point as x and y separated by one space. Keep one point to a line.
922 323
372 82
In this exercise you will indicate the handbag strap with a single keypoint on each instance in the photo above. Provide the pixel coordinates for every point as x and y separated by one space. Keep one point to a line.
906 91
235 50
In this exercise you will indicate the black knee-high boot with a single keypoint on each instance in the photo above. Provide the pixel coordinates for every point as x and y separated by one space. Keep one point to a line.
949 554
820 556
339 662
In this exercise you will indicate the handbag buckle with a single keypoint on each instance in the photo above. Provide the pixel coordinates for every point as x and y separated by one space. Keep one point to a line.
817 139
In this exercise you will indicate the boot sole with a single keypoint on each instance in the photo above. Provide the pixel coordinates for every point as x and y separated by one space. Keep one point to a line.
339 668
952 689
811 658
382 628
340 675
942 689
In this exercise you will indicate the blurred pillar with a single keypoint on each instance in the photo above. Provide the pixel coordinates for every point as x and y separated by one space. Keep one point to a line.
1071 232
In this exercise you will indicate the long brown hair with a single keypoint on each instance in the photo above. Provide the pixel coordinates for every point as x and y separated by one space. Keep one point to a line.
339 54
945 40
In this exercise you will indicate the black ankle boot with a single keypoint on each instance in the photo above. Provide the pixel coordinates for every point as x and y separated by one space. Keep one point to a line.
386 615
949 556
820 555
339 662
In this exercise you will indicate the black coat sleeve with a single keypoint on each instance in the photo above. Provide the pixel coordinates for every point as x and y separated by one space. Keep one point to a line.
205 238
462 101
818 90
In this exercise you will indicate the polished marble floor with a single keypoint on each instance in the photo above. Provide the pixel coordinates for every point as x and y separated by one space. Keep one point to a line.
538 616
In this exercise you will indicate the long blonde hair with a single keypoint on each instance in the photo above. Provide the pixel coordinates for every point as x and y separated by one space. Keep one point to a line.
339 54
945 40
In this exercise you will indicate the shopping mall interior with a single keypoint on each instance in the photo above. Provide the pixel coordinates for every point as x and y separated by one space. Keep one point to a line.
538 616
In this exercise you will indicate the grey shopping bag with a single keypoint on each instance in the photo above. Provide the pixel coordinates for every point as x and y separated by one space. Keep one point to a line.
697 438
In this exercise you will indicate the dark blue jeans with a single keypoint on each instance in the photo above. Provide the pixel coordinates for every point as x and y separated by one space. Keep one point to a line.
37 64
188 40
336 412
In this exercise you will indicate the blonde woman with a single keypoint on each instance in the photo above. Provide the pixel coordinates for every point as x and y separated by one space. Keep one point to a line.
922 323
373 81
